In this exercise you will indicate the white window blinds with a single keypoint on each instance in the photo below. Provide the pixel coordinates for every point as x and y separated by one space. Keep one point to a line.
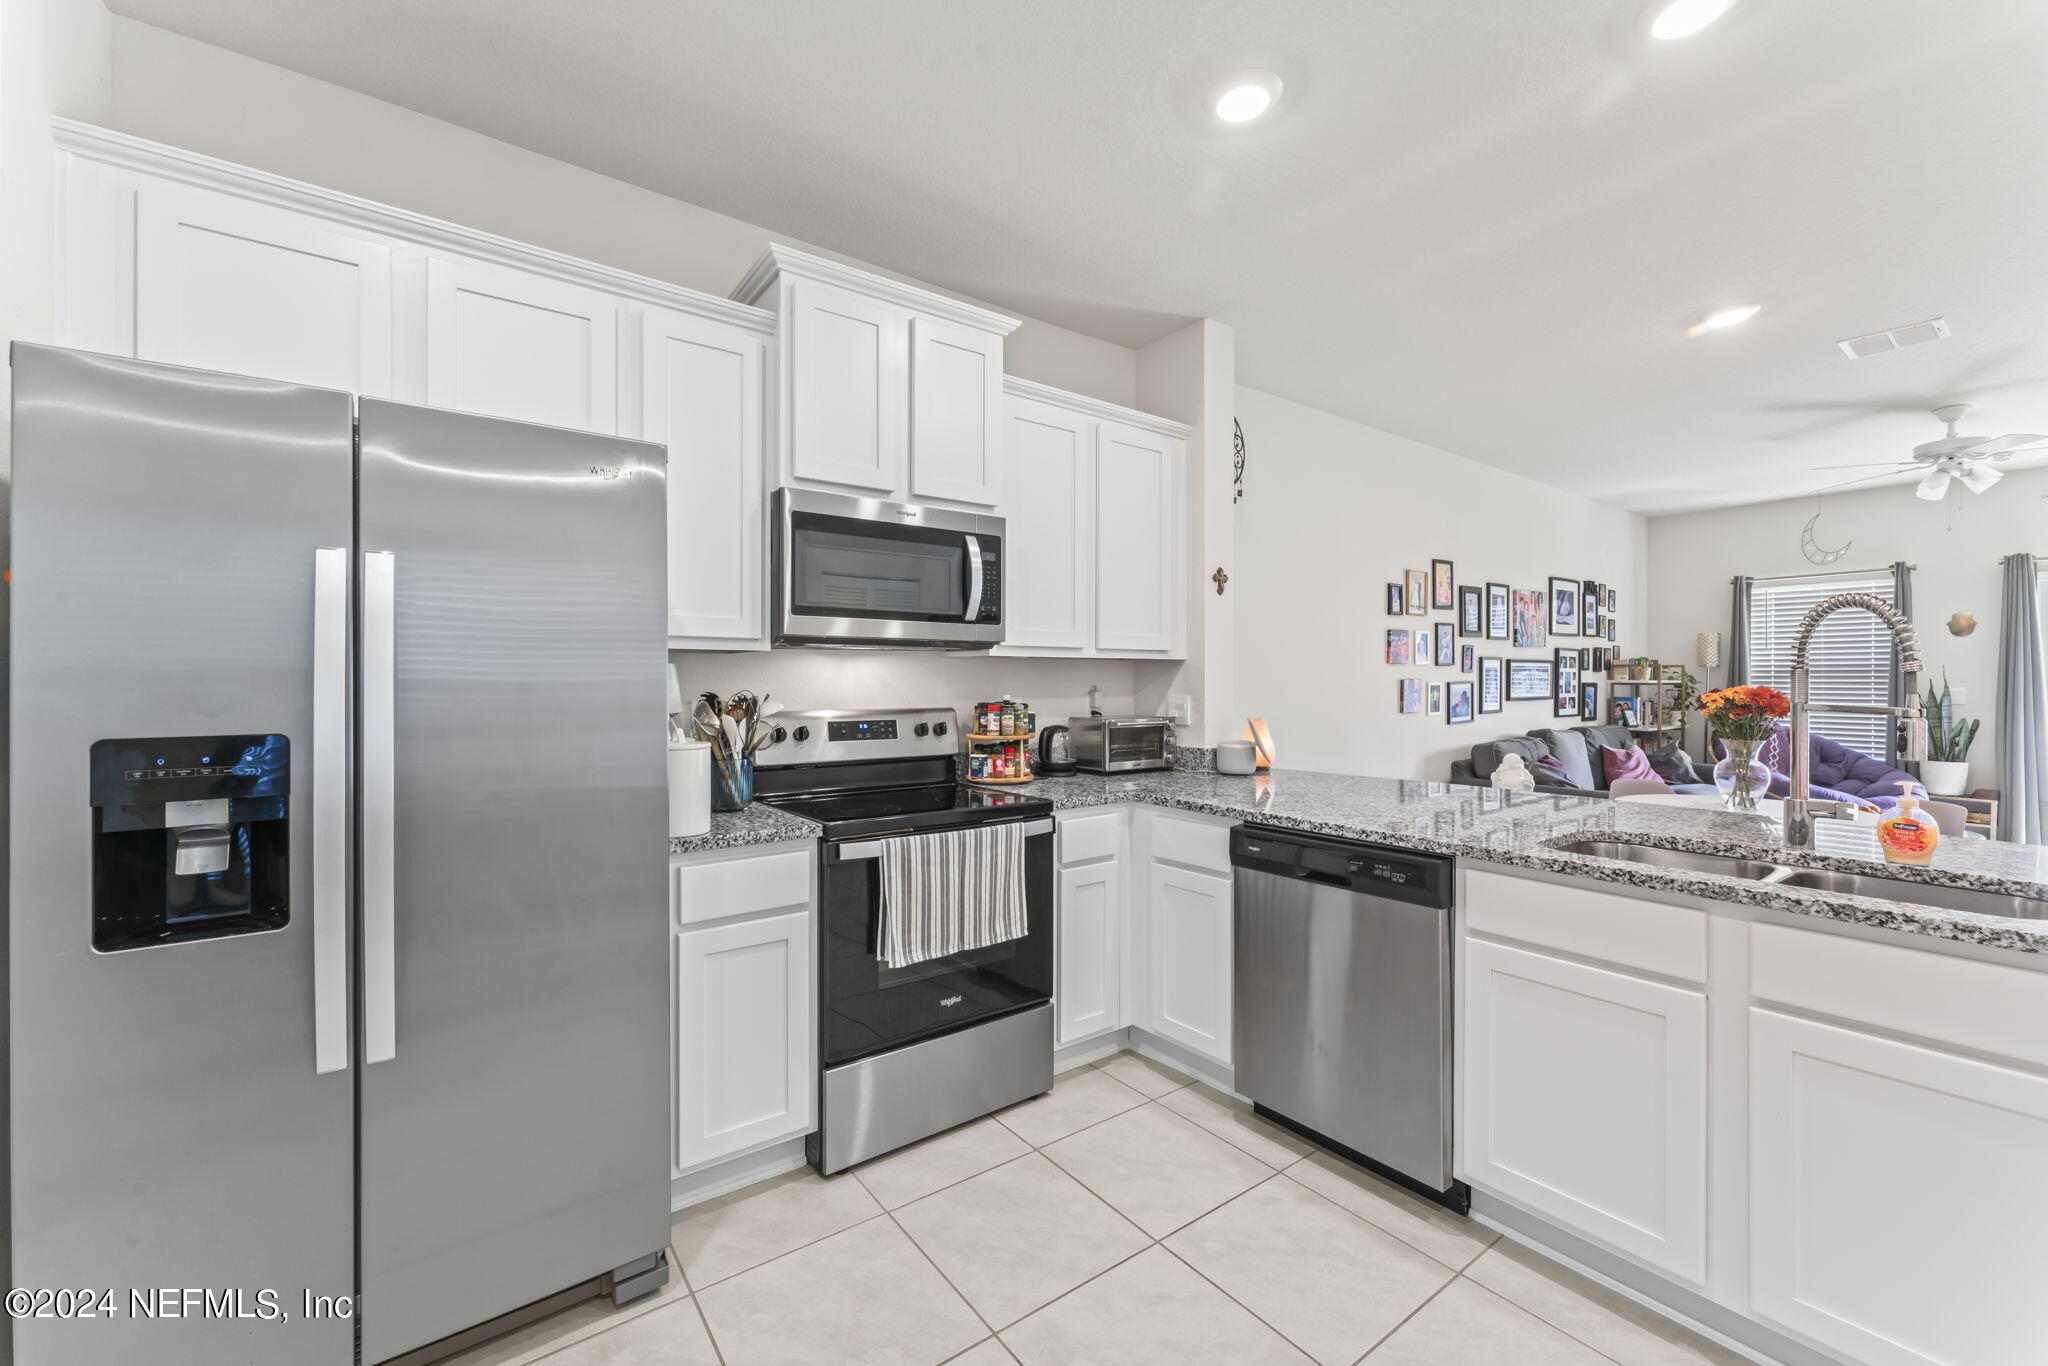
1850 661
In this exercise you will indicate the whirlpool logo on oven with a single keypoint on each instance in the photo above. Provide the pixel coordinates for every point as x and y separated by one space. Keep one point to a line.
950 1000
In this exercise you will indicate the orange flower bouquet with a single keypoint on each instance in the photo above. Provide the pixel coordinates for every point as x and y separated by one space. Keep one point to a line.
1742 718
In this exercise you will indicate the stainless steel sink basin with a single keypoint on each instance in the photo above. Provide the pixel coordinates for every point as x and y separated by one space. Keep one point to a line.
1754 869
1919 893
1819 879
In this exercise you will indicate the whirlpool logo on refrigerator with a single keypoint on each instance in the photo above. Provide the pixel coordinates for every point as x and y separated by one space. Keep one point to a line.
610 472
950 1000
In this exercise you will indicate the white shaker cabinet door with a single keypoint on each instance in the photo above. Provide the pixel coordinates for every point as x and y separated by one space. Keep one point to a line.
1898 1197
1049 525
956 397
701 397
506 343
847 388
1089 988
1585 1101
1192 954
744 1024
1138 513
249 289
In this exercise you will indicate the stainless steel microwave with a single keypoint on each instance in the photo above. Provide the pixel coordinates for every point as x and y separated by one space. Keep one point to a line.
868 573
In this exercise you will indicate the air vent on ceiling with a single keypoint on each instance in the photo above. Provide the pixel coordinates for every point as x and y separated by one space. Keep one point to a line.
1912 334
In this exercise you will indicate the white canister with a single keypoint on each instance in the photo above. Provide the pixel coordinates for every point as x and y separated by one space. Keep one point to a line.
1237 757
689 787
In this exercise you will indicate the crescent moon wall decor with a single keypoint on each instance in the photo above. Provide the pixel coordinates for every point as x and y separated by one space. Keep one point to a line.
1812 548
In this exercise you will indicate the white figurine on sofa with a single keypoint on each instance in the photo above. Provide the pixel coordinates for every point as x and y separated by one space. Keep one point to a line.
1513 774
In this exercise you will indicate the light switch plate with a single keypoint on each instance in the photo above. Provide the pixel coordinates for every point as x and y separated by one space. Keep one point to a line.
1180 709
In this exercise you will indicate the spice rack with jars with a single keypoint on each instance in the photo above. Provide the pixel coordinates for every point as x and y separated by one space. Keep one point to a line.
999 746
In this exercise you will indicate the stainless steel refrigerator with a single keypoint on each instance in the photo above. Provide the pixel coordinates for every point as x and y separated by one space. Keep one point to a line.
336 921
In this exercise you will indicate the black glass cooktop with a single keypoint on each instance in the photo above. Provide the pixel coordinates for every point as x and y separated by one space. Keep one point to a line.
884 810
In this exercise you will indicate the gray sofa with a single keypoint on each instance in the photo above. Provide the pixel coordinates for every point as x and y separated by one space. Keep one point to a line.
1578 749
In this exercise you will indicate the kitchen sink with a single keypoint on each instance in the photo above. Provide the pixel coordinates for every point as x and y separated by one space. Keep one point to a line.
1877 885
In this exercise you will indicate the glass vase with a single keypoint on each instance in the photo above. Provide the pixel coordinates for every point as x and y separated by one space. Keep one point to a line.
1741 776
732 784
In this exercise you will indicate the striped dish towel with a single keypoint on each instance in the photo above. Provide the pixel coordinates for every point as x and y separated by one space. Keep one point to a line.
951 891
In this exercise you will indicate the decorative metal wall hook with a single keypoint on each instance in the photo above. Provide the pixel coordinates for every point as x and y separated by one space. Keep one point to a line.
1236 465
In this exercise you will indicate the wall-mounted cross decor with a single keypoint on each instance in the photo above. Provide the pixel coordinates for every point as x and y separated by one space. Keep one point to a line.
1219 578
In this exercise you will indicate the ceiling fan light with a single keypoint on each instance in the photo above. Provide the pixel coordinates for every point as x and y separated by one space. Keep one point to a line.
1683 18
1978 477
1934 487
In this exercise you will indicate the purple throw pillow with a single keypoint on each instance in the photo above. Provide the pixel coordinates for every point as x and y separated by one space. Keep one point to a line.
1549 770
1627 763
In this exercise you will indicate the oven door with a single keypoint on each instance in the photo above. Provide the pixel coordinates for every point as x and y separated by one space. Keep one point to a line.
869 1008
858 571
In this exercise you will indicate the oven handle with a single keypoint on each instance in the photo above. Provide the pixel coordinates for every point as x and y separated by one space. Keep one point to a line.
973 579
873 848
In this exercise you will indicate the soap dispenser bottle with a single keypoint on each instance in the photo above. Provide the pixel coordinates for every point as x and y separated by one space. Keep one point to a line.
1908 835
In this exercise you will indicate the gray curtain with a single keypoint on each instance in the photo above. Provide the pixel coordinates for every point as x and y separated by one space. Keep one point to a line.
1902 598
2022 707
1738 632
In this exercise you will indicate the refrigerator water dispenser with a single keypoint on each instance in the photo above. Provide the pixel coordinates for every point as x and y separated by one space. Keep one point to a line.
190 838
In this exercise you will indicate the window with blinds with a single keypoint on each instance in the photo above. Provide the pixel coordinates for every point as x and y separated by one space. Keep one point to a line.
1850 661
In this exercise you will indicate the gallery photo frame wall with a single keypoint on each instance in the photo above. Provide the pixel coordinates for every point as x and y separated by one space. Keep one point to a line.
1523 618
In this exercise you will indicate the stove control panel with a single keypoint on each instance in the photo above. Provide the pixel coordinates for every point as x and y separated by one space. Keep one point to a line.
838 737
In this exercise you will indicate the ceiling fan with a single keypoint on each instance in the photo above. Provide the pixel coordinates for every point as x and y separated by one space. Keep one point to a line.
1969 459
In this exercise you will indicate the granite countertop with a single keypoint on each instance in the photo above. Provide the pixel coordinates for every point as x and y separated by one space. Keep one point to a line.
1522 829
757 824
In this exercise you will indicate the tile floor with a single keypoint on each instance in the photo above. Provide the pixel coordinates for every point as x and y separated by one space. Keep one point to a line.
1127 1216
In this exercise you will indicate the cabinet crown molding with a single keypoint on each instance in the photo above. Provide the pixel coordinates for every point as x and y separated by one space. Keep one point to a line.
166 162
1095 407
780 260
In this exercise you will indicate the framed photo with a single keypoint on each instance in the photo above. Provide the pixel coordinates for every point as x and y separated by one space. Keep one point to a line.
1471 610
1411 696
1446 645
1397 647
1436 699
1586 659
1566 700
1589 700
1417 592
1489 684
1564 607
1528 680
1442 594
1499 611
1590 599
1465 659
1622 711
1396 600
1528 618
1458 702
1610 598
1425 645
1610 628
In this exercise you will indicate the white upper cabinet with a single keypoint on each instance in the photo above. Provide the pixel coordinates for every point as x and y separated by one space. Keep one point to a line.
884 389
508 343
221 283
956 400
700 395
1095 506
1140 514
1049 527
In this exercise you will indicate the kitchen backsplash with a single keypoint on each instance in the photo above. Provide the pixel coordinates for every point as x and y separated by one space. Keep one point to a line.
813 679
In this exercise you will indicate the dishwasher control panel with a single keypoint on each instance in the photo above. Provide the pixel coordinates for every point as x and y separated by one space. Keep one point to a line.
1369 869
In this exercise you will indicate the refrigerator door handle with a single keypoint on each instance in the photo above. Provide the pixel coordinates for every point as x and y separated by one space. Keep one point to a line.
330 809
378 778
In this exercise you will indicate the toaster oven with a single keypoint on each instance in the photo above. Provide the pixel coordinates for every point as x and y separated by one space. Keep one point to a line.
1122 744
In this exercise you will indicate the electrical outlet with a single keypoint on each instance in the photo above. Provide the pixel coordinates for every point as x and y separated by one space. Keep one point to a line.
1180 709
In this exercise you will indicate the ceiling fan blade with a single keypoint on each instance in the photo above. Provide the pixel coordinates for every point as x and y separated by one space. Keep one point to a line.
1852 483
1871 464
2001 445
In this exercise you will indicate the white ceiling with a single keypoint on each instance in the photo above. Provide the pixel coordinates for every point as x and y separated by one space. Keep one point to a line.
1483 225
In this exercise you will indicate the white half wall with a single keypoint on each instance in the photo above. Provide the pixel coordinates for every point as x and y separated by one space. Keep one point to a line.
1957 543
1332 512
206 99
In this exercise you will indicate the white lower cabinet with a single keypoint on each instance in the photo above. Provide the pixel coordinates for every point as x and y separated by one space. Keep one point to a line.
1584 1094
1898 1197
1089 983
744 983
1190 959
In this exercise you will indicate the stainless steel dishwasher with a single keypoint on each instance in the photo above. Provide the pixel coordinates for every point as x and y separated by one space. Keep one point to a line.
1343 999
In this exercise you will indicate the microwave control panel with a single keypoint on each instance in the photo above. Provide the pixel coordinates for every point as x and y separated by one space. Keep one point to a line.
991 587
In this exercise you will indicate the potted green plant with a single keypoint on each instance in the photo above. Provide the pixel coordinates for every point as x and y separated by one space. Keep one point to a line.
1946 769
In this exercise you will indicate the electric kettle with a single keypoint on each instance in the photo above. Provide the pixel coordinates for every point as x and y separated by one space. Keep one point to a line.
1055 751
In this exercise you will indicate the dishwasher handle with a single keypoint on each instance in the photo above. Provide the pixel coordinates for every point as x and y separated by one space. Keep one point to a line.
1363 869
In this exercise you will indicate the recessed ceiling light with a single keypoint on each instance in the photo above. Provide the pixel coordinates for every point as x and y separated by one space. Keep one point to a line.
1683 18
1733 316
1245 97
